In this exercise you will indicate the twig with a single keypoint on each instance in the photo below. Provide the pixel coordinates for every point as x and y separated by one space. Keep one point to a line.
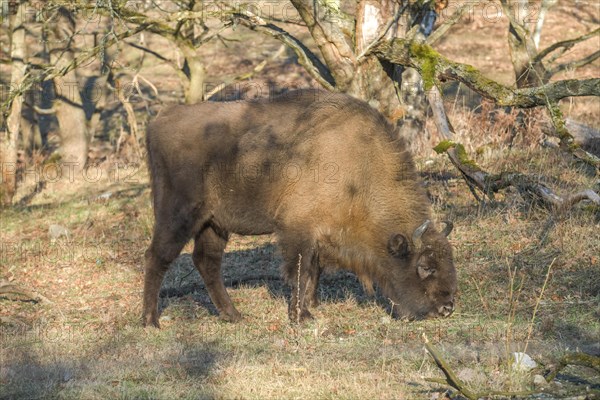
574 64
451 378
298 309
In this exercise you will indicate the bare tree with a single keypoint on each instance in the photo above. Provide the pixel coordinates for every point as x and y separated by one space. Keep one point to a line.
534 67
74 136
10 134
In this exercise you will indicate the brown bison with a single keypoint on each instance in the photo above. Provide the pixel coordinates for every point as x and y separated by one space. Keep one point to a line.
325 172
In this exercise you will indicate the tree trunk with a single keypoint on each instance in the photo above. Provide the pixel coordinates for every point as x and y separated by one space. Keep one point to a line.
195 71
98 92
522 46
9 136
31 138
397 92
69 108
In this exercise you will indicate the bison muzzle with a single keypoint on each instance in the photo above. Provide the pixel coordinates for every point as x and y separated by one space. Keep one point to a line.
324 172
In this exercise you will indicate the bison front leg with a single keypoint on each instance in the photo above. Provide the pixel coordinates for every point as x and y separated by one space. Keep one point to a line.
302 275
312 287
208 253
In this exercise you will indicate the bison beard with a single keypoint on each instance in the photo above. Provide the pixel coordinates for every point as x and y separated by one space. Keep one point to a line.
325 172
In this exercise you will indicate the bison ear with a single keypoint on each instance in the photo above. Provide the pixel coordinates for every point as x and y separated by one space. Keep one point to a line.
398 245
425 271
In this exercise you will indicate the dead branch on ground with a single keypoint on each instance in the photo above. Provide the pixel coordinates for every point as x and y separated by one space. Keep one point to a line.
455 382
529 188
579 359
8 288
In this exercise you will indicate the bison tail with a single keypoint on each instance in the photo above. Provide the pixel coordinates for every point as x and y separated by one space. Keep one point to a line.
153 168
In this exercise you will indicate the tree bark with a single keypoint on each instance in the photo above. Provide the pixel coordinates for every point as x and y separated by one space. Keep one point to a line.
99 91
523 50
195 72
396 91
71 117
9 135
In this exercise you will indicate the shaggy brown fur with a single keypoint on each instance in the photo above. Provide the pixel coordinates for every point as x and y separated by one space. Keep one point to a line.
325 172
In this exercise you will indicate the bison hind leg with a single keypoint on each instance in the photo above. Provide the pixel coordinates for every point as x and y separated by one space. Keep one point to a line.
168 240
176 223
208 252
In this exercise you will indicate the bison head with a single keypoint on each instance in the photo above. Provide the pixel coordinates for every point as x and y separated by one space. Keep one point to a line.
423 278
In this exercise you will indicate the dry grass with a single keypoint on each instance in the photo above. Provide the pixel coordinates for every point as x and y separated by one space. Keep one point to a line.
89 344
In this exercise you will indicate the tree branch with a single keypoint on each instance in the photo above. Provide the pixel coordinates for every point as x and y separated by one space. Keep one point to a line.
336 51
581 359
567 142
565 44
246 75
574 64
436 68
7 288
147 50
306 58
449 23
53 71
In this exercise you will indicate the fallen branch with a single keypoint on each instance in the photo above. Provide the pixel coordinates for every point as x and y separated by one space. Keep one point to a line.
454 381
567 141
579 359
529 188
7 288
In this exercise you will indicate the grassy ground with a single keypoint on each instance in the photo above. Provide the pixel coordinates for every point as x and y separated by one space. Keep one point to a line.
87 342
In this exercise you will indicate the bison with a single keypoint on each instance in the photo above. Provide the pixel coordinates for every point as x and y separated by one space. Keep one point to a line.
324 172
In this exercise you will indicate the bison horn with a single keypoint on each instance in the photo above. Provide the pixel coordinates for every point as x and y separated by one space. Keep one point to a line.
448 228
416 236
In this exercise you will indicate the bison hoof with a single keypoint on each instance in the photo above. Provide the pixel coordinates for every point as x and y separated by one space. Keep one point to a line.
150 321
234 316
305 315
